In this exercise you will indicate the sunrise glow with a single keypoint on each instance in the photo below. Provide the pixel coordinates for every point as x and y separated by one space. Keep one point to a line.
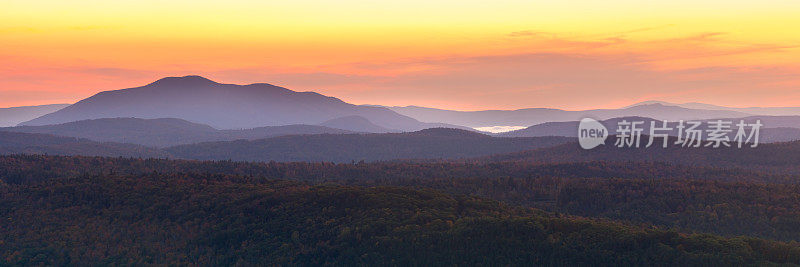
465 55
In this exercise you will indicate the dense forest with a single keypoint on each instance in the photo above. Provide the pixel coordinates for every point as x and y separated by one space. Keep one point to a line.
642 197
181 219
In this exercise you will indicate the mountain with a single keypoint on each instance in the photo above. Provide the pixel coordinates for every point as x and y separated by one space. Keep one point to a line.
437 143
354 123
533 116
28 143
766 111
223 106
164 132
775 129
16 115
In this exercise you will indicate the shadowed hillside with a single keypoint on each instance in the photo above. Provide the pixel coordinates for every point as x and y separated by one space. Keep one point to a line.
164 132
437 143
26 143
778 157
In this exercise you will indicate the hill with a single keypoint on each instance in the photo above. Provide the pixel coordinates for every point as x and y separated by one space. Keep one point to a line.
775 129
533 116
164 132
766 111
16 115
27 143
441 143
332 145
223 106
775 157
356 124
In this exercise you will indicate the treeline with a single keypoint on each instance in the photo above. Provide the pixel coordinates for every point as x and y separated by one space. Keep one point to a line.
22 168
174 219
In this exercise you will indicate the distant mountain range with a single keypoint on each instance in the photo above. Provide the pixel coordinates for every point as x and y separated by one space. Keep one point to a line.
16 115
355 124
437 143
230 106
765 111
170 132
533 116
775 129
225 106
776 158
189 110
434 143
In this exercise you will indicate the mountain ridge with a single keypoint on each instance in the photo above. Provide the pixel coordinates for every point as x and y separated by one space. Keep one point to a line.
533 116
12 116
164 132
223 106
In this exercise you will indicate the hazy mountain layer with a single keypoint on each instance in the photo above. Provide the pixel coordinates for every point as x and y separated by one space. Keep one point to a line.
437 143
165 132
16 115
533 116
774 129
224 106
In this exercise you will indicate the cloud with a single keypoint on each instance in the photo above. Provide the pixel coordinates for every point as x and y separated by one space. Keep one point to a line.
542 70
573 81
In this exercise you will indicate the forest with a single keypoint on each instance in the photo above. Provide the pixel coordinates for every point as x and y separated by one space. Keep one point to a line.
79 210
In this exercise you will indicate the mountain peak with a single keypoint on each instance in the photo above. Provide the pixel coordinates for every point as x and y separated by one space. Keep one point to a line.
190 80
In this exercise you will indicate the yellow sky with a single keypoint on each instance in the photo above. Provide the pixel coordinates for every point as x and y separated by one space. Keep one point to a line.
449 54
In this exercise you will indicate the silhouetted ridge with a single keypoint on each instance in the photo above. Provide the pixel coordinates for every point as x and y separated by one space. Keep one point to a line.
224 106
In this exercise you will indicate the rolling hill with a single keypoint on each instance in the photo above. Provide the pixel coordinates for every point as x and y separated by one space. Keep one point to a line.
776 157
164 132
355 124
29 143
435 143
765 111
533 116
16 115
775 129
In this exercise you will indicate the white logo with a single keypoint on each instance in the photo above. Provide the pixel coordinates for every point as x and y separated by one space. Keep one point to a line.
591 133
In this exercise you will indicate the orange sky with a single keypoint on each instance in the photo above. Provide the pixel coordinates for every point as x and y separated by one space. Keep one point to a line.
467 55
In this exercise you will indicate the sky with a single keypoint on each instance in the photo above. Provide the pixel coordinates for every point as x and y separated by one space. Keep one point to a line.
463 55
